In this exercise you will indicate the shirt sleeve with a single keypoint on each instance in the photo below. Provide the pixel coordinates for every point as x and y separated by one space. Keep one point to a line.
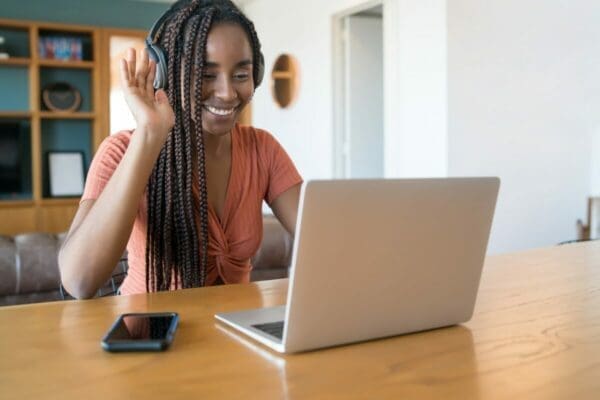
281 170
104 164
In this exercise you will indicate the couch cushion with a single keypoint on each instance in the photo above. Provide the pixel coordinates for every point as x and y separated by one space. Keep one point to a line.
37 262
275 250
8 270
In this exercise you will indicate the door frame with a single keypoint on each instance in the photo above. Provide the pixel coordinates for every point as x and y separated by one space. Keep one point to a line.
340 139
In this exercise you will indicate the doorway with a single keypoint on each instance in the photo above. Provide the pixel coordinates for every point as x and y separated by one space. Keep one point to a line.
114 46
358 93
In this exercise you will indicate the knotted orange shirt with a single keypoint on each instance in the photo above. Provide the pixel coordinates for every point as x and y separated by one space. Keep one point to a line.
260 170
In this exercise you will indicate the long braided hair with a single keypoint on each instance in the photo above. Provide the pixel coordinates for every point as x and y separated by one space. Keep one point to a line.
175 250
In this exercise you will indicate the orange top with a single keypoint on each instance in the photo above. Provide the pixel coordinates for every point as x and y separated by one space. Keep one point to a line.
260 170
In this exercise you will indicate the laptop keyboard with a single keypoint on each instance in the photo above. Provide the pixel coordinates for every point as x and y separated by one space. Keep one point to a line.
274 329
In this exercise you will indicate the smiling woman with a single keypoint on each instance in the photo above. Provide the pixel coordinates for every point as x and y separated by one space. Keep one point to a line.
183 191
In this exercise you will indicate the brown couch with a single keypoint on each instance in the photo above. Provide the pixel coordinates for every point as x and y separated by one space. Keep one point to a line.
29 266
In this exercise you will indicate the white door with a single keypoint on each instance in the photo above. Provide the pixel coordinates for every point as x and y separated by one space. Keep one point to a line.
363 108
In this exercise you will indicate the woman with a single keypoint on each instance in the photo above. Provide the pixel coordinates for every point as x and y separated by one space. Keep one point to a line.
184 190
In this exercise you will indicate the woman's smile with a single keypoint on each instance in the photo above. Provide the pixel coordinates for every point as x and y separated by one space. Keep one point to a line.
221 111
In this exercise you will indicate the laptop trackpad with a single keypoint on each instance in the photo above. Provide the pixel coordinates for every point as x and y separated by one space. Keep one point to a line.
274 329
267 321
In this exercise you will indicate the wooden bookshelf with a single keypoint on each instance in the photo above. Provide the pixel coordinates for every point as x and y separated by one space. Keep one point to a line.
15 114
67 115
70 201
30 207
67 64
15 61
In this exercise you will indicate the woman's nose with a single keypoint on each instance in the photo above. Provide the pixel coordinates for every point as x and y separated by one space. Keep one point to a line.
224 89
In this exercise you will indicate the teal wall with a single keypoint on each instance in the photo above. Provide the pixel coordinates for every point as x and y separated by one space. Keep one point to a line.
14 80
64 135
108 13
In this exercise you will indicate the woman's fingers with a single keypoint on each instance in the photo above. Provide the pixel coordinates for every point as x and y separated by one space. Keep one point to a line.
124 69
131 63
150 79
138 73
141 73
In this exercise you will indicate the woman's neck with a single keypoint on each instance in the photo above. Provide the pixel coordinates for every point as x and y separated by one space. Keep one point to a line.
217 145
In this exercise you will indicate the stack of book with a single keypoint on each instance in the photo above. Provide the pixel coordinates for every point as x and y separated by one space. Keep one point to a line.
60 48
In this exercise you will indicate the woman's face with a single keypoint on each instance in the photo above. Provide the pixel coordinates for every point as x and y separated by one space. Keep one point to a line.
227 82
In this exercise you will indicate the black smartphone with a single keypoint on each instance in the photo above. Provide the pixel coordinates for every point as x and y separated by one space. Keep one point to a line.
141 332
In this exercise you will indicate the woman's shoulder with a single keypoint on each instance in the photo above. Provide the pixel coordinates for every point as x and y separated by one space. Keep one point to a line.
113 148
118 140
115 144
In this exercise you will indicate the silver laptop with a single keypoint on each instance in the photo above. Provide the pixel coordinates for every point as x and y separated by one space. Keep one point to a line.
378 258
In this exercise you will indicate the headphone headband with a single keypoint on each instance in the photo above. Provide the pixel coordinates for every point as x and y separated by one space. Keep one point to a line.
159 22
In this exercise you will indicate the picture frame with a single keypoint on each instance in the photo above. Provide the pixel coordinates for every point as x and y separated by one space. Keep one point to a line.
66 173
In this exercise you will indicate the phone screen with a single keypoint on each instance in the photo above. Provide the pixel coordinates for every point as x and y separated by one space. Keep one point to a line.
141 331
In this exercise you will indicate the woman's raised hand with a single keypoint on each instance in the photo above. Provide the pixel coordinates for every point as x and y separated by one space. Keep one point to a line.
152 111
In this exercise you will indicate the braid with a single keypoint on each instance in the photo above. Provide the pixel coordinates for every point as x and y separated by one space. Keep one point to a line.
183 264
186 261
192 279
175 250
199 71
149 234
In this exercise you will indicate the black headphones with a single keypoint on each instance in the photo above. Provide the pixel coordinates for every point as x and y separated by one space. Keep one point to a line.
156 53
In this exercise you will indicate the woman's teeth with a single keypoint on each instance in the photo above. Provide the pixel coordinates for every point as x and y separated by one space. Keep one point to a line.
220 111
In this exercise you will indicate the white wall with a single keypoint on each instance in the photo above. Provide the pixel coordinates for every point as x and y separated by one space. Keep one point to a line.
523 98
496 87
415 88
415 120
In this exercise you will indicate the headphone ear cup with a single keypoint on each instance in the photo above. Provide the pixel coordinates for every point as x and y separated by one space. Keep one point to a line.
260 73
158 56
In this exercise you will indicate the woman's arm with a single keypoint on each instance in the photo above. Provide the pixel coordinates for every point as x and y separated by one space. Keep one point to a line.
101 227
285 208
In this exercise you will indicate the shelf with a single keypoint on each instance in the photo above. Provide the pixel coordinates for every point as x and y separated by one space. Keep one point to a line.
14 24
284 80
15 61
66 64
16 203
15 114
48 115
282 75
67 115
67 201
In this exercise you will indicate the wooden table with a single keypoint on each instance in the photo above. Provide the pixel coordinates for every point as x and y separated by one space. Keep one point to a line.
535 335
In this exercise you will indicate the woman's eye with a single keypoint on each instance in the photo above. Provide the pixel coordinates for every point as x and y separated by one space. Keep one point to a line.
241 77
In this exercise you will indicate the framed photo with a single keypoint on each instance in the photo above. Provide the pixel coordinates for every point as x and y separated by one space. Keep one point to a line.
65 173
